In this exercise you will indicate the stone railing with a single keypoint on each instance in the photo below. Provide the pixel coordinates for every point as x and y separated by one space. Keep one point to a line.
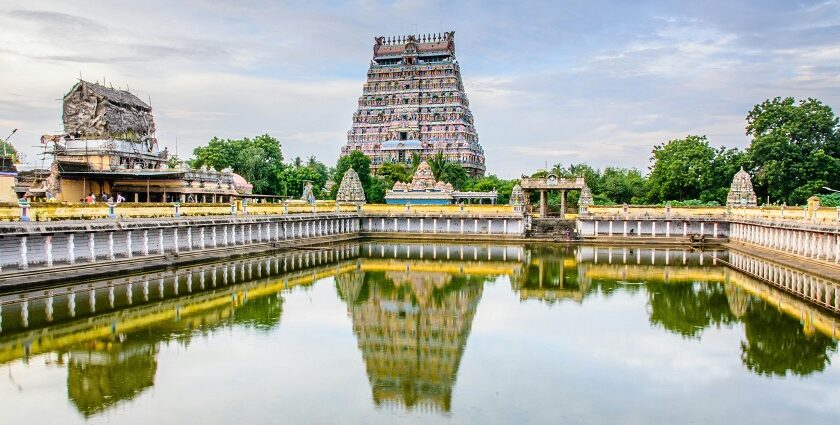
454 210
48 211
824 215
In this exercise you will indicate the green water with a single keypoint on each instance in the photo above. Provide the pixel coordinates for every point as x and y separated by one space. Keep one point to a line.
396 333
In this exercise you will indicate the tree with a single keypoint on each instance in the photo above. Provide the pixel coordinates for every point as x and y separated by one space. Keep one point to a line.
795 148
488 183
258 160
680 167
448 171
622 185
9 150
395 172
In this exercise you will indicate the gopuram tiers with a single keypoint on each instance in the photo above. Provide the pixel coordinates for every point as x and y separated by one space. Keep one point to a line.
414 103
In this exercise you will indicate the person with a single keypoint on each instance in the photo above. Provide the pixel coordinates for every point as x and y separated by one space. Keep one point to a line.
120 198
104 197
91 199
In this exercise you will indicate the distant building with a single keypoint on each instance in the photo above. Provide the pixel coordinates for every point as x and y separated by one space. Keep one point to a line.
423 189
109 146
414 103
741 191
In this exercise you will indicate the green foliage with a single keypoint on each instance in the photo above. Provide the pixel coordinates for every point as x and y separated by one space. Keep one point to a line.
485 184
10 151
831 200
174 161
375 193
678 168
294 176
395 172
691 169
448 171
795 148
258 160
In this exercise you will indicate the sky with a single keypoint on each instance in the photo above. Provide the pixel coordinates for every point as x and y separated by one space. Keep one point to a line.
550 82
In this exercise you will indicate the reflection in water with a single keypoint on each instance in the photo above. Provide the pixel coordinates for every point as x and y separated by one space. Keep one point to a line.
412 308
777 343
412 327
105 374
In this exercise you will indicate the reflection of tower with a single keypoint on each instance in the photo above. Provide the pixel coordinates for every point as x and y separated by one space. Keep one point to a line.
738 299
108 373
412 329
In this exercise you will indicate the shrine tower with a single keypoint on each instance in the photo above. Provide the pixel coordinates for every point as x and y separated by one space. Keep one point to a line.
414 103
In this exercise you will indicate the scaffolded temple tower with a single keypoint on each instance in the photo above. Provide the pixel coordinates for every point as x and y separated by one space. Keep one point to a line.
414 103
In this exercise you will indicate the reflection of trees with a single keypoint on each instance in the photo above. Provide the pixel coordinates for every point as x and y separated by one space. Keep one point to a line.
107 373
777 343
687 309
412 329
261 313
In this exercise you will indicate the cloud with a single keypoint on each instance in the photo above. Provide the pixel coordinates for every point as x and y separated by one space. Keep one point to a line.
598 81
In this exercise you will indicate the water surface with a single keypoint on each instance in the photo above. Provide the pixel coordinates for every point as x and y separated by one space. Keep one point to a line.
384 332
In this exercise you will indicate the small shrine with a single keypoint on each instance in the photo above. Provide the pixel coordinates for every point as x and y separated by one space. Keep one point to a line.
517 196
423 189
350 190
741 193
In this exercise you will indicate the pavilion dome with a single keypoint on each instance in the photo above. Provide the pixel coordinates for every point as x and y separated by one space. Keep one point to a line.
241 185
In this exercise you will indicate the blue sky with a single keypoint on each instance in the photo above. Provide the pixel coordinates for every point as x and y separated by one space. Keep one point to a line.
549 82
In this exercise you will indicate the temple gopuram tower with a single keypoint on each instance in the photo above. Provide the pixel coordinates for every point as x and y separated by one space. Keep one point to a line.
414 103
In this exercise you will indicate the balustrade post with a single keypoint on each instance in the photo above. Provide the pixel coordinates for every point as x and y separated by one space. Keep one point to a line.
71 248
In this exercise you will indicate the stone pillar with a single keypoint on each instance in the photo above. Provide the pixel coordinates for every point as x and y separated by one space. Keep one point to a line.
610 233
595 231
189 239
175 242
224 235
685 229
667 229
145 242
129 250
624 233
653 228
160 242
71 248
475 226
702 229
434 225
48 249
396 227
489 227
448 225
213 239
111 245
462 226
92 247
639 228
543 204
505 227
563 203
201 238
714 230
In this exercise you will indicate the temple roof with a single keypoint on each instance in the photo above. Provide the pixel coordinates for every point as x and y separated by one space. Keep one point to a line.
415 44
121 97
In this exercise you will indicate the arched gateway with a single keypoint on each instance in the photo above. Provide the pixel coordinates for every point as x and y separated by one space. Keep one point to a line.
552 182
